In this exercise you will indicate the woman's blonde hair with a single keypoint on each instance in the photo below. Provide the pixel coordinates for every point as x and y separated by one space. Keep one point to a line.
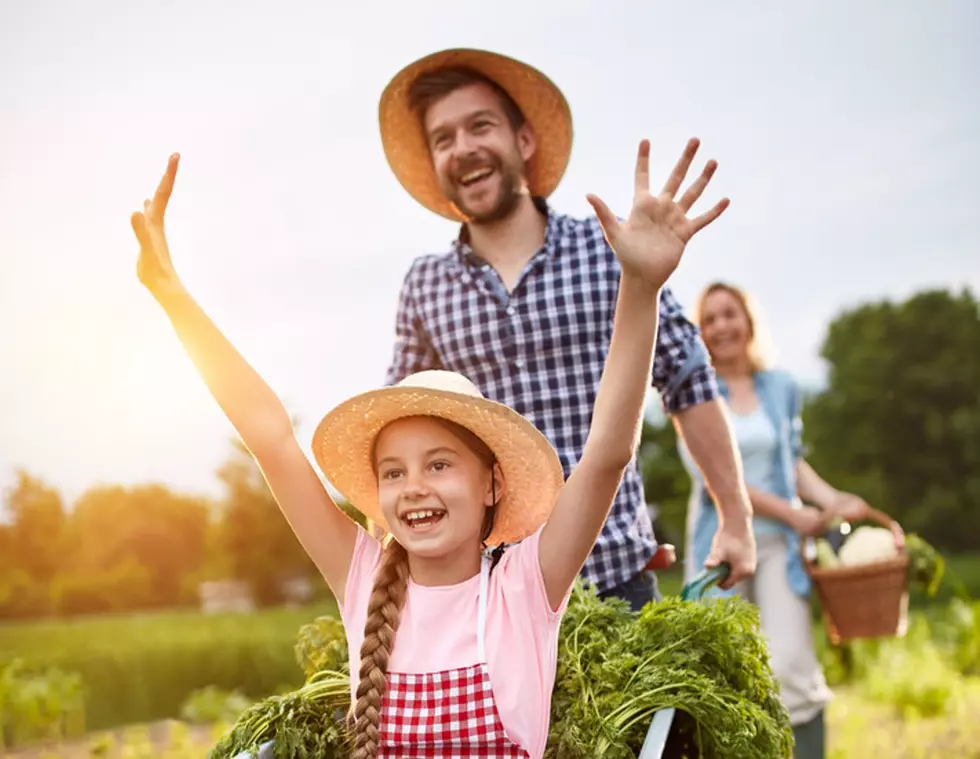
383 613
759 347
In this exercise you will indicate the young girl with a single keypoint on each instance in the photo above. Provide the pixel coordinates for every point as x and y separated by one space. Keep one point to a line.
449 474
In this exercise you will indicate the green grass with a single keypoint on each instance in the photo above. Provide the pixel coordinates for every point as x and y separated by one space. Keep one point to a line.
141 667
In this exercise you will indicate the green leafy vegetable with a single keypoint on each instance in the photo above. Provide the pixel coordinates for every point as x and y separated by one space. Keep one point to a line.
707 659
306 724
926 564
322 645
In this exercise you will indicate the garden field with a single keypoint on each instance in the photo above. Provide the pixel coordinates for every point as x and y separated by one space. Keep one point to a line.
167 684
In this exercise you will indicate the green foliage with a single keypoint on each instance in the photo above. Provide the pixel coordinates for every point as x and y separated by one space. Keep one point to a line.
322 645
37 520
926 673
117 549
707 658
917 680
35 705
208 705
964 634
257 540
126 549
306 723
926 565
665 481
899 421
140 668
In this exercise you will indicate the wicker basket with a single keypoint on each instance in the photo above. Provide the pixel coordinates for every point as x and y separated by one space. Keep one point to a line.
869 601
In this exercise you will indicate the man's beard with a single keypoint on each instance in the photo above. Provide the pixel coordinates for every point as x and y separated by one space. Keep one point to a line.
508 197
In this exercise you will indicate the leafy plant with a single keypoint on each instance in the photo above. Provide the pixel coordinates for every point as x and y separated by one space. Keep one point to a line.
39 705
707 659
212 704
322 645
916 680
305 723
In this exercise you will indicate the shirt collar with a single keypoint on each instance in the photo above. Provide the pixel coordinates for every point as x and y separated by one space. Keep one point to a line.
468 258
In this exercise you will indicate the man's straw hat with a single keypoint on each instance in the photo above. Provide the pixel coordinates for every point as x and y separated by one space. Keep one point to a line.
541 102
344 439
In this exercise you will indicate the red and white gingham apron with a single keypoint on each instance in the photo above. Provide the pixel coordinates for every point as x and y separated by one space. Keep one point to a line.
446 715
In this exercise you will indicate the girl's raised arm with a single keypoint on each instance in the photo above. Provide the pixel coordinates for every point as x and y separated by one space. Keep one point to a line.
259 417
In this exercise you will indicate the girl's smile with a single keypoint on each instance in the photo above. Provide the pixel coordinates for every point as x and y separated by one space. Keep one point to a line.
434 490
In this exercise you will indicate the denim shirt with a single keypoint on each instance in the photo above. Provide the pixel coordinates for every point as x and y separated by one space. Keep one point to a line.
780 398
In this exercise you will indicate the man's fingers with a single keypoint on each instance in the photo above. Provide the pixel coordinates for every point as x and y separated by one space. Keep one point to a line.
166 186
709 216
643 167
713 561
608 220
690 197
680 169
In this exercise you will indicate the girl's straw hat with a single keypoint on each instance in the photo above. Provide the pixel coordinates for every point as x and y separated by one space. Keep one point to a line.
541 102
533 476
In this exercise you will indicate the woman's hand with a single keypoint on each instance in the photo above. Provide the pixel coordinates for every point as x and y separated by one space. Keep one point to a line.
810 522
849 507
154 267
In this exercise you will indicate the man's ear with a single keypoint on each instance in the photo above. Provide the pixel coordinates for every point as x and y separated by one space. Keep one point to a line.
527 142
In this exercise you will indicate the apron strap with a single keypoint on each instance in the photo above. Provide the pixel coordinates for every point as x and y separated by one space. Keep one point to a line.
481 619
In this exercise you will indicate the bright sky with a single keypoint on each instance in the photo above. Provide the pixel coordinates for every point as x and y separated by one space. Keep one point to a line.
848 137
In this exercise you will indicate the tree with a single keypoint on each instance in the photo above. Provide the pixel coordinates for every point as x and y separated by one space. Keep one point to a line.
37 520
665 480
899 421
118 535
259 543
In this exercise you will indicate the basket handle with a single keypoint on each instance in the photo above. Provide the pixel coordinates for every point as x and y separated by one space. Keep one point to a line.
886 521
874 515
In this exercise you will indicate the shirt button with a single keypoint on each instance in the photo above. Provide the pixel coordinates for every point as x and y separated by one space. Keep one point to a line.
519 364
511 310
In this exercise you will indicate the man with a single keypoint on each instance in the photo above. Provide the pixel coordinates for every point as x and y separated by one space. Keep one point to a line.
523 302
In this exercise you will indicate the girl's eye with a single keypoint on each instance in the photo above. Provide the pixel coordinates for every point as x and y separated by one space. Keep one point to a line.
391 474
439 466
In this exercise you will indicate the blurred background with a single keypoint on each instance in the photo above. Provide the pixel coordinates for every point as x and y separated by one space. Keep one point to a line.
145 573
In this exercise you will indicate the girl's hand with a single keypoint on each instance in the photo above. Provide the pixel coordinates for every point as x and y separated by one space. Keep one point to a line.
649 244
154 267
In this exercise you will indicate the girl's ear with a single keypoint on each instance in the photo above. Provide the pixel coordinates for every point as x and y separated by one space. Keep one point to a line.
495 486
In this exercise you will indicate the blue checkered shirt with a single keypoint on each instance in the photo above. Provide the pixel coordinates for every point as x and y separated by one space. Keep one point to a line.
541 348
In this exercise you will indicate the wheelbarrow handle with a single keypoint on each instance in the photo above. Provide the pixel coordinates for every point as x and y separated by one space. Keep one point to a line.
697 587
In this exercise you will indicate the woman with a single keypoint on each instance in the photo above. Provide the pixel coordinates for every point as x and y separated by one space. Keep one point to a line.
458 644
764 406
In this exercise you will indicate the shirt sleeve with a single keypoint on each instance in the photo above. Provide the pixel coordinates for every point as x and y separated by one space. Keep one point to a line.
412 351
364 562
682 372
521 566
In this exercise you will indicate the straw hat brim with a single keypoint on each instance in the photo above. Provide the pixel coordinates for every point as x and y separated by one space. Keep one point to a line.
542 103
532 472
